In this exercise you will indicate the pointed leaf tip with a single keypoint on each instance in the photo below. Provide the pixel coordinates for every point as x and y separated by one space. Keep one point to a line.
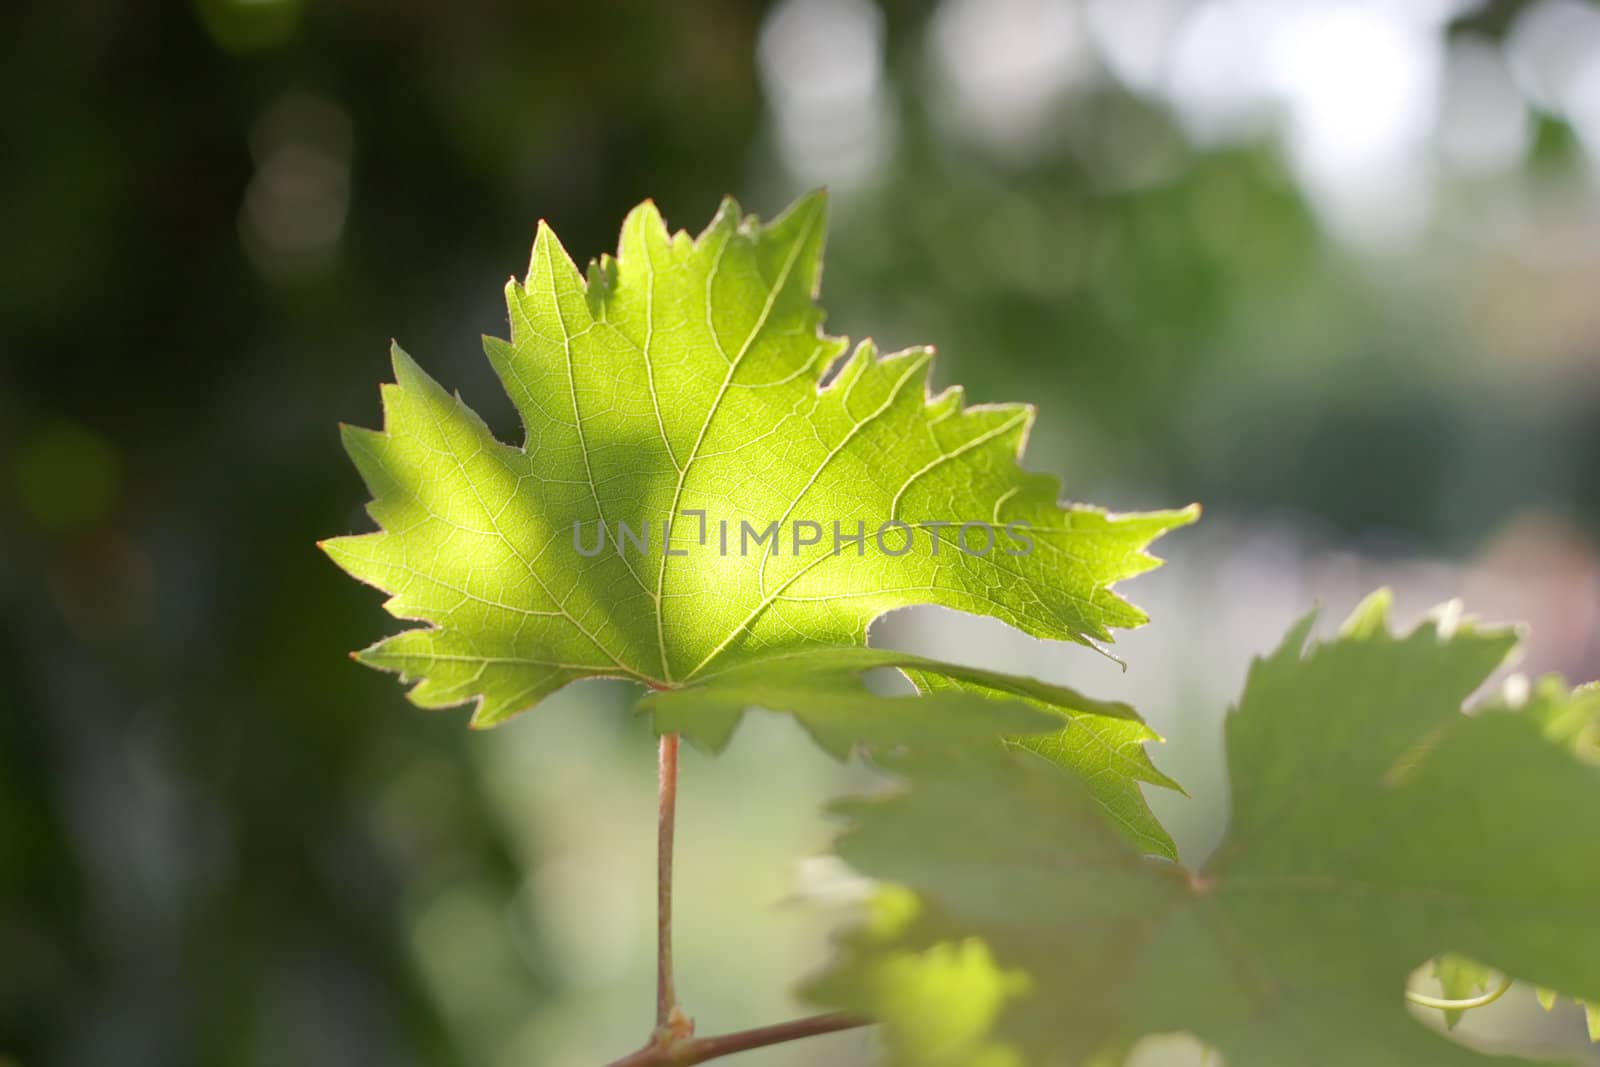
1370 617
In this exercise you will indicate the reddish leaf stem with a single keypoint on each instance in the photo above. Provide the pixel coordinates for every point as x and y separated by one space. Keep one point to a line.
695 1050
673 1043
667 813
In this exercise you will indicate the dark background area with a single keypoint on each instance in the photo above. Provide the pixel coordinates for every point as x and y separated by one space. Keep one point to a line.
213 832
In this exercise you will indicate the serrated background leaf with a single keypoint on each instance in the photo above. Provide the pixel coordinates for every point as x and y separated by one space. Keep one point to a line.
1374 826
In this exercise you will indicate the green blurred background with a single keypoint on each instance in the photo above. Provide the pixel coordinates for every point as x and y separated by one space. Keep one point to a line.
1330 267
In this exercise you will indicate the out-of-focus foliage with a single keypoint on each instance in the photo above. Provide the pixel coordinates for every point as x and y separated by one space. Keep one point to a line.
1355 775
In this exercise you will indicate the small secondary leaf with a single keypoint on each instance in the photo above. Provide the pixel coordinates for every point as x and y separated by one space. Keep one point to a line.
682 390
1374 826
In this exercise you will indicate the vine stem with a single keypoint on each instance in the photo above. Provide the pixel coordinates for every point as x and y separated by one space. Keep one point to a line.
689 1051
673 1043
668 1015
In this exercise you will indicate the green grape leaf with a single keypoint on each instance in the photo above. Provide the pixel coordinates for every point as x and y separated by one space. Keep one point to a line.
1374 827
827 692
1571 720
684 389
